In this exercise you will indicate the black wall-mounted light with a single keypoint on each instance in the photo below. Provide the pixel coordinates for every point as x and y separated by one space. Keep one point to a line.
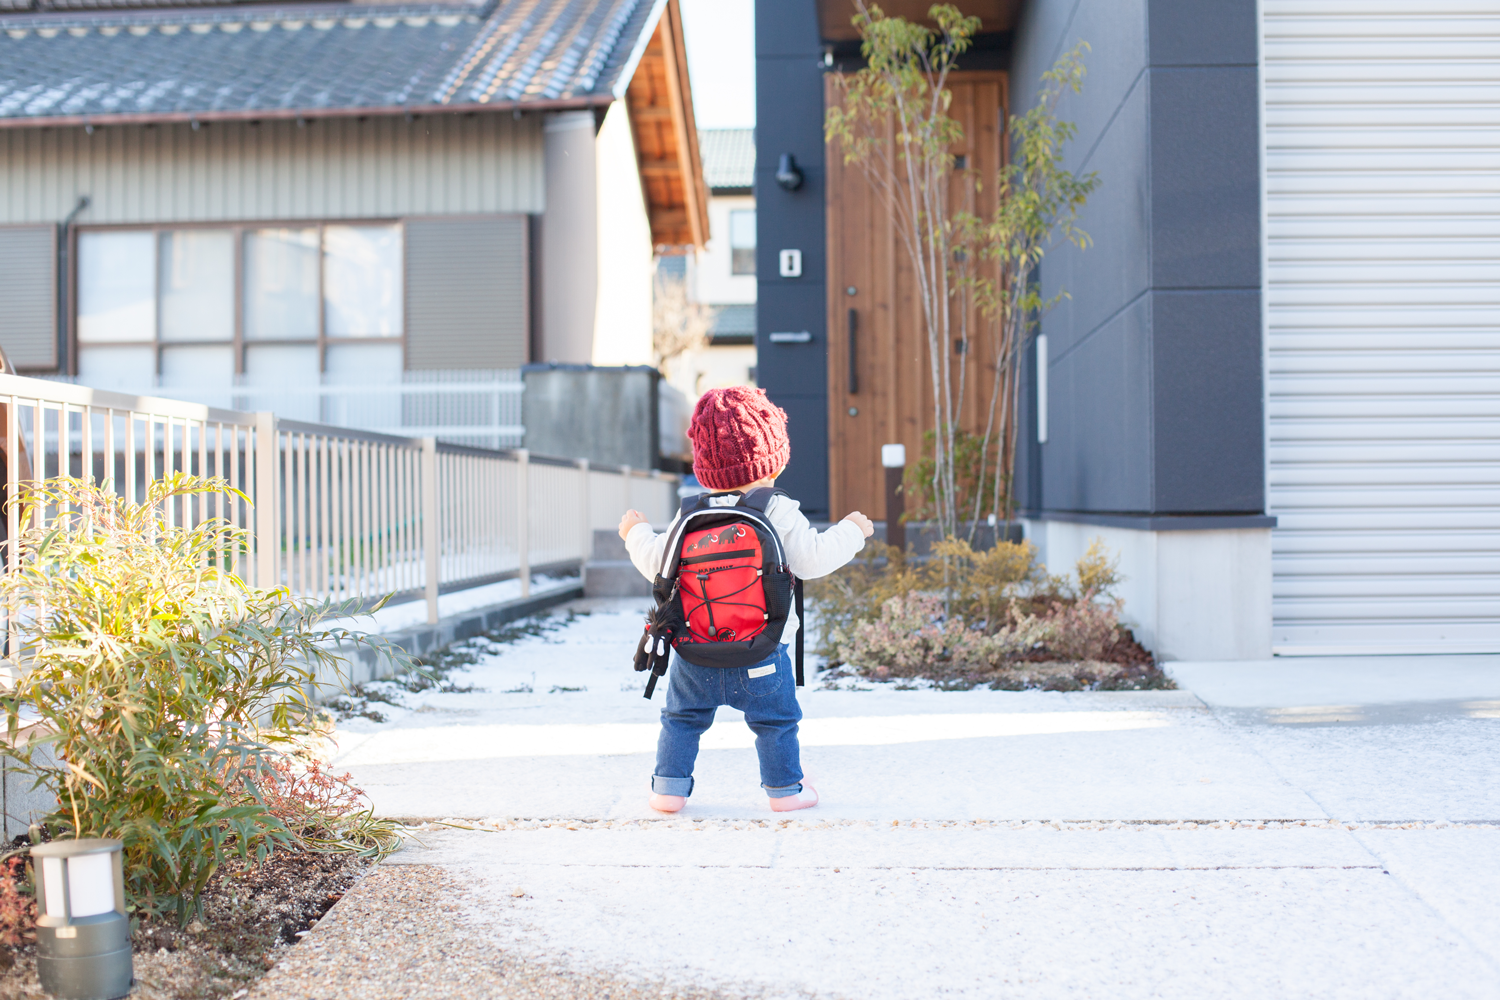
788 175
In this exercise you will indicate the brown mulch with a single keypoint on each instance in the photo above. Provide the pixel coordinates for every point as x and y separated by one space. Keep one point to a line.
410 931
250 917
1126 665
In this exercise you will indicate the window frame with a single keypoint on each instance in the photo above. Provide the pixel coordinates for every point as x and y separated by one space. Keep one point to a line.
237 229
729 239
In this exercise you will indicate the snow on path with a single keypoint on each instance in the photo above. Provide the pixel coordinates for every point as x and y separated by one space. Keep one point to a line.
967 894
900 913
561 730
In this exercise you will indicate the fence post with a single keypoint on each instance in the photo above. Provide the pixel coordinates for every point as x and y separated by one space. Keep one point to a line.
588 523
523 519
430 544
267 533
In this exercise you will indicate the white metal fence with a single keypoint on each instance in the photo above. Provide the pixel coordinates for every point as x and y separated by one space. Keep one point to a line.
337 513
481 407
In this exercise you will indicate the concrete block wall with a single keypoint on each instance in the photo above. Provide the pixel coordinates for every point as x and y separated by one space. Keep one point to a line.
1189 595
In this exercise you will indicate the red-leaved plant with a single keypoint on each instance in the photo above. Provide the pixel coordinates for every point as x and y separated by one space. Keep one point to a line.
17 909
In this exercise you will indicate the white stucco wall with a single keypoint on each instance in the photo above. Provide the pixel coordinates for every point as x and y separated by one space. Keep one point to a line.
712 368
710 277
1189 595
622 324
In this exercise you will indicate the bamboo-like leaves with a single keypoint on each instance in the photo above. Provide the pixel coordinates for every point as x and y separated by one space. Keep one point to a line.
893 123
153 682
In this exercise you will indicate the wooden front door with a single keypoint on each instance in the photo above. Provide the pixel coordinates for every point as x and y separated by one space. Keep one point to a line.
879 371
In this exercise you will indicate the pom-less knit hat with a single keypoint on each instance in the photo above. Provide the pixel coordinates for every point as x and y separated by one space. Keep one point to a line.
738 436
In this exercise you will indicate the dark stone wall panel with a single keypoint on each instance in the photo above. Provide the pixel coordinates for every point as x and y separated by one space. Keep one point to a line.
1206 383
1205 178
806 477
789 102
1098 451
1202 32
1116 269
794 88
1116 33
801 369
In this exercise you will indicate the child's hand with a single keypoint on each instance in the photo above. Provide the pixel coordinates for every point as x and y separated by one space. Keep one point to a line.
630 520
862 523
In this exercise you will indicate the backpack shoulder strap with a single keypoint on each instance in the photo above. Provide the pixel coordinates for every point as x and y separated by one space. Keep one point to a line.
760 497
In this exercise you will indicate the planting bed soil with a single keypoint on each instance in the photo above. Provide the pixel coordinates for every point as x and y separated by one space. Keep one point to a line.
1125 666
250 917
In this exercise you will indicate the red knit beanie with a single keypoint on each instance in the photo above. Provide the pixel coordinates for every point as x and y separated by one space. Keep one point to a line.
739 436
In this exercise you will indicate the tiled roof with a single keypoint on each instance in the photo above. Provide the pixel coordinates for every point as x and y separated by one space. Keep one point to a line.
734 323
728 157
233 60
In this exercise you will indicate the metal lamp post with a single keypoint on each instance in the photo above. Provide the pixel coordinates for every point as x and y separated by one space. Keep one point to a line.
82 934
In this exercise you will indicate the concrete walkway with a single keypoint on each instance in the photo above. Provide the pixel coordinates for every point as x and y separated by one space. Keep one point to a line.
1295 828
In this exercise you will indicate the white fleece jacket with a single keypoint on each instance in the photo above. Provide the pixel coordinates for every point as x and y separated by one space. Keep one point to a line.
809 554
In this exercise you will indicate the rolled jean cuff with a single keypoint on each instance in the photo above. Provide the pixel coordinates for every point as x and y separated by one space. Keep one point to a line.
671 786
781 793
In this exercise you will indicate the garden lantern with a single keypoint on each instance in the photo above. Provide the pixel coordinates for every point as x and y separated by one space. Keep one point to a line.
893 458
82 933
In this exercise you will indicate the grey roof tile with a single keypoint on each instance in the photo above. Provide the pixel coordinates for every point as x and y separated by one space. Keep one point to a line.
728 157
238 59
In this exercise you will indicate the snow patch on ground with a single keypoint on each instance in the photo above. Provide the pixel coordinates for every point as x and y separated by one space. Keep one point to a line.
969 844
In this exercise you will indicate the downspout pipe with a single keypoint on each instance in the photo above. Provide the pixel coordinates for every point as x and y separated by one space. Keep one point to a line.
63 361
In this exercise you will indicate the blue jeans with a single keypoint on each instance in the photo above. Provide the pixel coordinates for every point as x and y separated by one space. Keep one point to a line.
769 701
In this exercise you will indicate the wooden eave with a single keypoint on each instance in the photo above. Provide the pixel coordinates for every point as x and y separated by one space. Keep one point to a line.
660 102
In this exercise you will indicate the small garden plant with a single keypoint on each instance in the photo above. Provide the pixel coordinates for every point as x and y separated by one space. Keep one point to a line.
964 617
164 701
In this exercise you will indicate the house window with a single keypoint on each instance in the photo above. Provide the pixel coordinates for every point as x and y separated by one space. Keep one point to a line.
312 304
742 242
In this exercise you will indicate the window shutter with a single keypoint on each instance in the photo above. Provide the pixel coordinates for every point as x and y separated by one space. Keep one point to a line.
28 296
467 300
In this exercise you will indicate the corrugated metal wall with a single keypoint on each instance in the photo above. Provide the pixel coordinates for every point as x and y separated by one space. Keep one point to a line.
28 290
334 168
467 293
1382 133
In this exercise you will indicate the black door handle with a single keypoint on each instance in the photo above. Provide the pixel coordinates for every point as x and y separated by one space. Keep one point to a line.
853 352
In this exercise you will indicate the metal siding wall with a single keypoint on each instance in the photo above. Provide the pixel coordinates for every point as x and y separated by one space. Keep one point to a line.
378 167
28 295
466 293
1383 323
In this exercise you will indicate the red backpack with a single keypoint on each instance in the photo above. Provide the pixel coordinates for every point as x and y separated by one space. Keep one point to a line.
724 589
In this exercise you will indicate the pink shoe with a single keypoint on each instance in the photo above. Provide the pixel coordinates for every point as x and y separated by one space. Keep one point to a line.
667 803
805 799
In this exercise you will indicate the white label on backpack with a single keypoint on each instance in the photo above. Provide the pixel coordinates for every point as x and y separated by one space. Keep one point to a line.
769 668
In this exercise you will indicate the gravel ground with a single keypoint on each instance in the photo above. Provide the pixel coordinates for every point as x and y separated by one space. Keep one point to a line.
404 931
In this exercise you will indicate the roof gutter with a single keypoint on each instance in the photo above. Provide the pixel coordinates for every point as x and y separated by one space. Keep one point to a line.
307 114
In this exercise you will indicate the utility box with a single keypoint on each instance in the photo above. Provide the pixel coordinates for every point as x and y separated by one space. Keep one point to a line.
608 415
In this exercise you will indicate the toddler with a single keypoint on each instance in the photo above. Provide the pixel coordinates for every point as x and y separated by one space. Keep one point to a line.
740 443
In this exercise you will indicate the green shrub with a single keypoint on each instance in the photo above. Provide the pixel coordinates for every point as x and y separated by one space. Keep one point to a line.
156 690
975 586
962 609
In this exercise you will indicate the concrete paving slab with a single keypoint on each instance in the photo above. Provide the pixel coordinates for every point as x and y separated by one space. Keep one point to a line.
1430 771
882 934
967 901
1454 871
1293 681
